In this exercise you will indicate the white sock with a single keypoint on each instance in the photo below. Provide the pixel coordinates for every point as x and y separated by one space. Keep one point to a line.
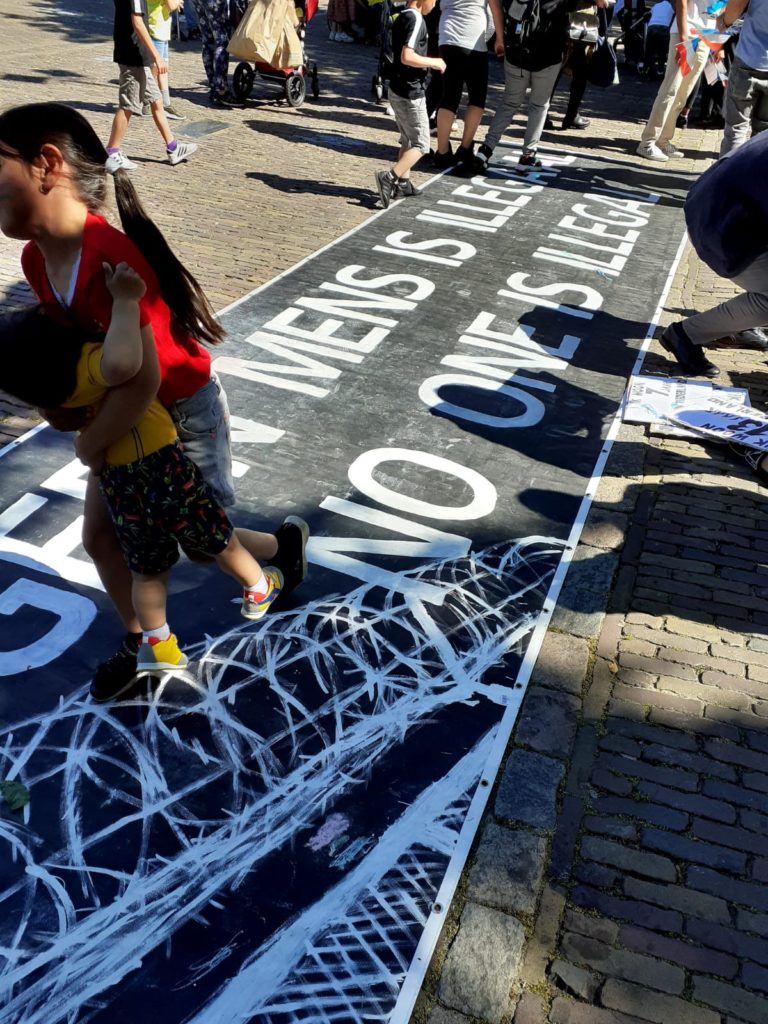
162 633
261 586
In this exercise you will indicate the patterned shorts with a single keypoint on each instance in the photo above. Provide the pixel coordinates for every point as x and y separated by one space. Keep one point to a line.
162 503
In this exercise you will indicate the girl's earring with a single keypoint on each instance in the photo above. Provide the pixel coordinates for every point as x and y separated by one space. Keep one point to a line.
44 189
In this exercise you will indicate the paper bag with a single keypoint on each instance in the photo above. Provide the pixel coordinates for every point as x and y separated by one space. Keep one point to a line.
261 33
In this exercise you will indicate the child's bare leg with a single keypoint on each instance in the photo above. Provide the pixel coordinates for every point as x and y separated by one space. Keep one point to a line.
238 562
150 594
119 128
158 115
406 160
262 546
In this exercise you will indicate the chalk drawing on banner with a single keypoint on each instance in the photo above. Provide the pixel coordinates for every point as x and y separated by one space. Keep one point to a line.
340 683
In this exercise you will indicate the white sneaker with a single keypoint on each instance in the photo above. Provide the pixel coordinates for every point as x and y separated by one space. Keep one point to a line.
342 37
182 151
650 151
332 37
671 151
173 115
119 162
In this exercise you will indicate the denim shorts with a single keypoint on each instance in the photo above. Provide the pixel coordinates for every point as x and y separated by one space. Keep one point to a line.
202 422
161 45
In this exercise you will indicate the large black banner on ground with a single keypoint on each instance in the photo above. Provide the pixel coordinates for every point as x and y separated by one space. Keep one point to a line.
276 837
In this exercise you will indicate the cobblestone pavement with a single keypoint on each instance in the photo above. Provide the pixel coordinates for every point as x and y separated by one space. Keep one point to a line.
621 872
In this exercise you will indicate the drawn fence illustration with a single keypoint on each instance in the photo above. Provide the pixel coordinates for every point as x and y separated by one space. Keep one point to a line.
83 898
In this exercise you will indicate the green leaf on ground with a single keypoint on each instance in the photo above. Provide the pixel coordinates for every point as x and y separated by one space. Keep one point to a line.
15 794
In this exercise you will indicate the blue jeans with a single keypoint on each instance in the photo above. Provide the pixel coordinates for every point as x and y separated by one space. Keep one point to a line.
162 47
202 422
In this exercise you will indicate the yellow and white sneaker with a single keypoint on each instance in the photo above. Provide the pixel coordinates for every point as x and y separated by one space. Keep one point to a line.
160 656
255 606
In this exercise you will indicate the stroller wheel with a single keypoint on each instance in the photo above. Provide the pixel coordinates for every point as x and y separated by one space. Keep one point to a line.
315 82
377 88
295 89
242 81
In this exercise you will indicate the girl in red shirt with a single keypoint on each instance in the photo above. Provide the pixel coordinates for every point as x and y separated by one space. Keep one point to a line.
53 184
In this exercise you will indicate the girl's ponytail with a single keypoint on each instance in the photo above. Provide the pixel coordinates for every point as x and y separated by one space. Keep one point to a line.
180 290
27 128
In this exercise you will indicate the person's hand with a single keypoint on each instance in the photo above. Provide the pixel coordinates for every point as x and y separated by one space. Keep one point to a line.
720 23
498 49
718 55
602 3
159 66
439 65
89 452
123 282
68 419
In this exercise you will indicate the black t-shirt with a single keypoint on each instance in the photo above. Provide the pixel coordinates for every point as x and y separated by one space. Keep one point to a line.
127 49
408 30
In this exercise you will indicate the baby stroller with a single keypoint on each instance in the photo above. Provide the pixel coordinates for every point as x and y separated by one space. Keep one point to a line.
389 11
291 80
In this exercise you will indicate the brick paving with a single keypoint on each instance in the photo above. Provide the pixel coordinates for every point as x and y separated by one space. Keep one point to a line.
621 873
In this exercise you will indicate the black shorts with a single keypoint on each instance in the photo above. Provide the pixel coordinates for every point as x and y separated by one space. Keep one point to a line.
464 68
162 503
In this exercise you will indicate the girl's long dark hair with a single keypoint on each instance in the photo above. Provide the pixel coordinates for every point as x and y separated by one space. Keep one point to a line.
25 129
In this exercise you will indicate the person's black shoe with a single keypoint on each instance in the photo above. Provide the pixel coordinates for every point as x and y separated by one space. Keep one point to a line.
576 122
755 338
549 124
529 160
116 676
483 156
682 121
291 558
405 189
689 357
386 183
224 101
441 161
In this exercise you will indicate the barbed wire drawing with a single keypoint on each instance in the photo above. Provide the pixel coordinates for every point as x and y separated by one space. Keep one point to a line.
276 724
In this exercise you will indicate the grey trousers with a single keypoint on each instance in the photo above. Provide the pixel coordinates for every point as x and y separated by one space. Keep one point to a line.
750 309
746 105
516 82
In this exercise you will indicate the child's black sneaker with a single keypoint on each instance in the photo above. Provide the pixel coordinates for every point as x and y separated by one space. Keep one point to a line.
385 185
115 676
405 189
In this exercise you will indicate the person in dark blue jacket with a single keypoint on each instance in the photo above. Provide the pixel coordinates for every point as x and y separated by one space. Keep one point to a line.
727 216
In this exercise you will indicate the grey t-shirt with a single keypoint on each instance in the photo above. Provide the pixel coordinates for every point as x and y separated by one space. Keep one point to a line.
463 23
